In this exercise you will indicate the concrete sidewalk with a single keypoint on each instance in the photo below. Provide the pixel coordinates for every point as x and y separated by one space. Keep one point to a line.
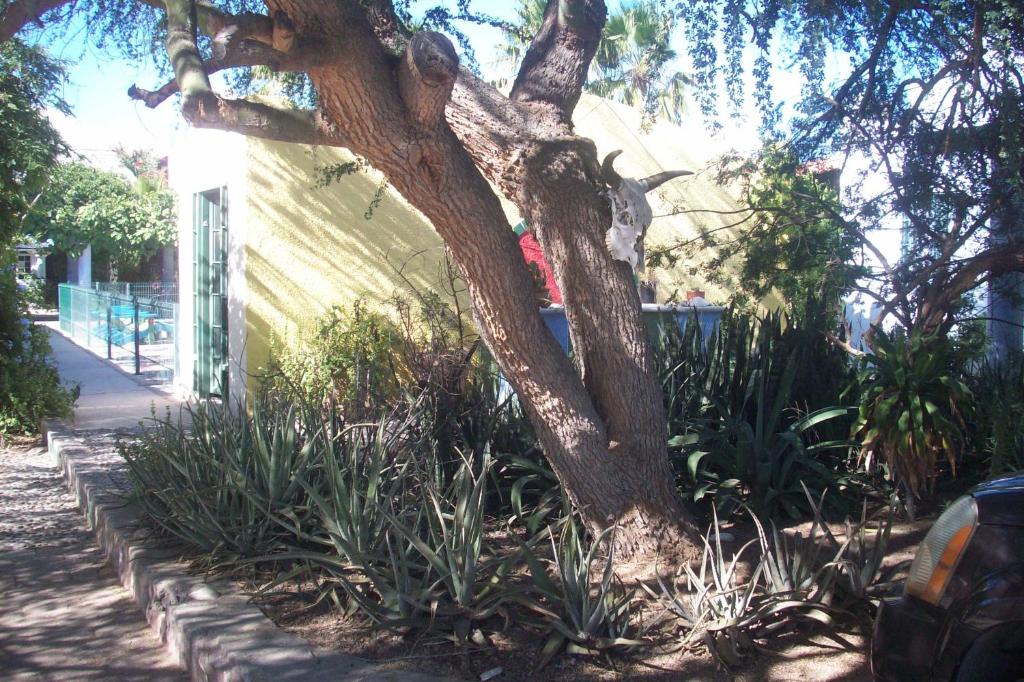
111 398
63 612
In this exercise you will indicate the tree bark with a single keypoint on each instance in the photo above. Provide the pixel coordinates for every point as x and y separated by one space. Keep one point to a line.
435 131
602 428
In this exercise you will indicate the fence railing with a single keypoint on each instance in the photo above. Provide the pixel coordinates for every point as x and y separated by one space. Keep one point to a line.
132 330
163 292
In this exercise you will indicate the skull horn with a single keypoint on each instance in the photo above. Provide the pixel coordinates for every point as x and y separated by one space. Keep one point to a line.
661 178
608 174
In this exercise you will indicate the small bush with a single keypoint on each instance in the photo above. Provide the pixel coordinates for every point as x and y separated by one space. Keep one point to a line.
912 408
348 361
30 387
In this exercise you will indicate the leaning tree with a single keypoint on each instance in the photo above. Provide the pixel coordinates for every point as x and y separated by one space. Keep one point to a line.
445 139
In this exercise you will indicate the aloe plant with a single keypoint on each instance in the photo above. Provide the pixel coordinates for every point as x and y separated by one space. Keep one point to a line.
912 409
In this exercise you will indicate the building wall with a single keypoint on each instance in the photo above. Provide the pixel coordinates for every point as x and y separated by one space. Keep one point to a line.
296 249
309 248
205 160
664 146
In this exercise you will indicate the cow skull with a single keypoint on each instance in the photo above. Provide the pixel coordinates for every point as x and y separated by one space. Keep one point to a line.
631 212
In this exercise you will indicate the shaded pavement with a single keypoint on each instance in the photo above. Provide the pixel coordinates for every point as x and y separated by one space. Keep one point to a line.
111 398
63 613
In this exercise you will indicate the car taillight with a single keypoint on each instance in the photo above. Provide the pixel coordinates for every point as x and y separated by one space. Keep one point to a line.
938 555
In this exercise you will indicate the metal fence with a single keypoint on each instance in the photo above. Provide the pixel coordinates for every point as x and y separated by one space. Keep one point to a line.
162 292
134 331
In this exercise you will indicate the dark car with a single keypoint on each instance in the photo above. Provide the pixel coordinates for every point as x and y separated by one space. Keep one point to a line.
961 615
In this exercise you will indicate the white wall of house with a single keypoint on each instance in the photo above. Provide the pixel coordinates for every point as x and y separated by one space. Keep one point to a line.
203 160
80 269
31 260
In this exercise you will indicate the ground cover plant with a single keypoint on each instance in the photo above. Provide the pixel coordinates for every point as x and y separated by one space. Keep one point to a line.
429 509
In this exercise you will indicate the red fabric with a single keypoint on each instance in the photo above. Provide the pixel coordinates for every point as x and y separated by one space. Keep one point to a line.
533 254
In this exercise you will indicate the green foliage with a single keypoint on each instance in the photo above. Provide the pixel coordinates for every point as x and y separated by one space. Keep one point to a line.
755 410
349 360
793 243
912 407
30 387
435 511
29 144
923 108
83 206
634 62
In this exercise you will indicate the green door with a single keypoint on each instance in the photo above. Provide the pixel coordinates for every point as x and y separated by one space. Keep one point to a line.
209 267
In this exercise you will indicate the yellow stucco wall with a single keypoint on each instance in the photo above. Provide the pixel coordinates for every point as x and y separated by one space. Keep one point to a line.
307 249
682 206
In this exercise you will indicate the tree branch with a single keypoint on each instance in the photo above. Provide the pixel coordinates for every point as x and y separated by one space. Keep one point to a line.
202 107
299 126
426 77
209 19
20 12
555 66
244 53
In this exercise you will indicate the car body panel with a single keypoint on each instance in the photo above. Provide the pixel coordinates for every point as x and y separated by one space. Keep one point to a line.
916 640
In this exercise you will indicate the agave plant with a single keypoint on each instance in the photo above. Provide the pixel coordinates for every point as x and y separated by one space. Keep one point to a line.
809 576
584 617
911 409
216 477
461 582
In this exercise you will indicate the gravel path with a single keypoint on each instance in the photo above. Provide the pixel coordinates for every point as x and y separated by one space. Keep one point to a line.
63 614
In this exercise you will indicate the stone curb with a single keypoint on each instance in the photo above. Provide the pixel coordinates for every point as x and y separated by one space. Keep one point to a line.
213 632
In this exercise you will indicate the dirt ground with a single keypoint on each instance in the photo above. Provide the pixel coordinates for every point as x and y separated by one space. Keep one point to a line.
511 655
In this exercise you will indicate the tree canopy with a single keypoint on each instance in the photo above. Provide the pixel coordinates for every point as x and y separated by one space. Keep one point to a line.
29 144
924 120
84 206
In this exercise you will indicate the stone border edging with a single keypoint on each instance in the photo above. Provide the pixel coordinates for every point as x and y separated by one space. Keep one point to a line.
214 635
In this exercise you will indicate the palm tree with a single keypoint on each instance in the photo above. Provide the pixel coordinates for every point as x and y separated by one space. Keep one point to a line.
633 61
529 18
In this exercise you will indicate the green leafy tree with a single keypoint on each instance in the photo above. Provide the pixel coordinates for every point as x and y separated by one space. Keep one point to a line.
634 62
790 238
84 206
29 146
928 111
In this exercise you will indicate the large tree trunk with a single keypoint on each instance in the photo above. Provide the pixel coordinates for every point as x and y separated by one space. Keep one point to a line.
601 425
